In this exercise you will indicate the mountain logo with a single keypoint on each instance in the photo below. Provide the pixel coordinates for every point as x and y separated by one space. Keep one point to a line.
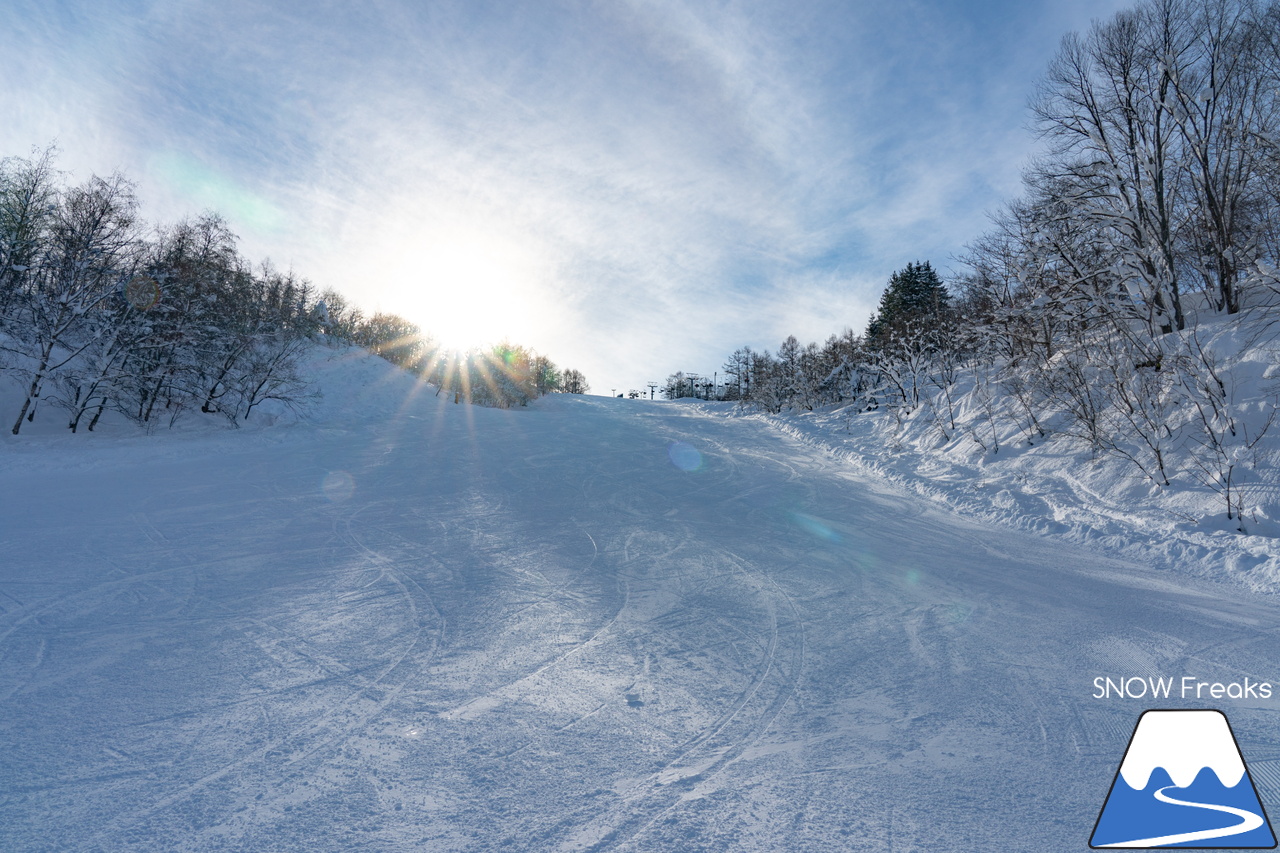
1183 783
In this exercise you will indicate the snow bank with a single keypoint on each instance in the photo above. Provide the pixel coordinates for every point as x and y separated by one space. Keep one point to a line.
1057 490
1053 485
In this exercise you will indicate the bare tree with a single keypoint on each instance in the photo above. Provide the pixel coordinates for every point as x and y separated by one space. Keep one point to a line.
573 382
1225 107
28 204
1106 108
91 252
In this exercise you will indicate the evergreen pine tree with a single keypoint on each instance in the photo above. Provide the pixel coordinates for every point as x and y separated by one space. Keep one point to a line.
914 295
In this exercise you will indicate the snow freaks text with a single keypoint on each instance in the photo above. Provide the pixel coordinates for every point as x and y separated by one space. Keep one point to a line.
1187 687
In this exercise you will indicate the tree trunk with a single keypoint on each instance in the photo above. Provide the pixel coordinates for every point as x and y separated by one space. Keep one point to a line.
34 391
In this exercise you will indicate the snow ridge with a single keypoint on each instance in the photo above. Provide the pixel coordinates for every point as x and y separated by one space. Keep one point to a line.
1096 505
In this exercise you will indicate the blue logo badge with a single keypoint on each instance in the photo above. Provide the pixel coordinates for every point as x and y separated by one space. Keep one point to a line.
1183 783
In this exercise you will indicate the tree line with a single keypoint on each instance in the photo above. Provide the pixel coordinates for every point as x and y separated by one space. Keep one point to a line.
502 375
100 312
1111 303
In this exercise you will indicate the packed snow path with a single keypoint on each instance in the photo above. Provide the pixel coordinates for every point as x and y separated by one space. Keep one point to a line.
450 629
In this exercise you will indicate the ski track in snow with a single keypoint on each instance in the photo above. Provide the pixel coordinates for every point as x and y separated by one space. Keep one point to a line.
529 630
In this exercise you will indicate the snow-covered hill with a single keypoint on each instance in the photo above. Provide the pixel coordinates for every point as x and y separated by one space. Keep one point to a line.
1060 492
987 465
589 624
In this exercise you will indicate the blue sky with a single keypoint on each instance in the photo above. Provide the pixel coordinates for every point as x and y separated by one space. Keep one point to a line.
632 188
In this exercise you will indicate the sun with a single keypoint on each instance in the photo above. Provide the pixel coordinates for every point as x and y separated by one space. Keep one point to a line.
467 288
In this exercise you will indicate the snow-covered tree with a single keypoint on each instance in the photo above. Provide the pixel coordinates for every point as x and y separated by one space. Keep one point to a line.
90 252
28 202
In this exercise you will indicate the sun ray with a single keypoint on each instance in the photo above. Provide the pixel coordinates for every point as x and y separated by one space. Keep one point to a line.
471 286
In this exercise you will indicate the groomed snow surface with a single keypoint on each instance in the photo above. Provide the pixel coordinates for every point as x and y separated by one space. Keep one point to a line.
591 624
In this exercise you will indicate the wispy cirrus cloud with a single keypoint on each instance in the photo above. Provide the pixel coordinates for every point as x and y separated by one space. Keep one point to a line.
633 188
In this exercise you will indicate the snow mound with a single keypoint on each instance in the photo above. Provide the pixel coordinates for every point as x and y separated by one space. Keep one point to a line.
343 385
352 384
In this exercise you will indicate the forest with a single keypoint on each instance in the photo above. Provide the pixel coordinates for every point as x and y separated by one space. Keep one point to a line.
1127 301
100 312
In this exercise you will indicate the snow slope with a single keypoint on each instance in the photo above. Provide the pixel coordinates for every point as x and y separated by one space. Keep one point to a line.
592 624
1058 491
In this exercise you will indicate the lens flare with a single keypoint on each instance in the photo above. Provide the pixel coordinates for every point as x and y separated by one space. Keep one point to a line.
196 181
815 526
142 292
684 456
338 486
